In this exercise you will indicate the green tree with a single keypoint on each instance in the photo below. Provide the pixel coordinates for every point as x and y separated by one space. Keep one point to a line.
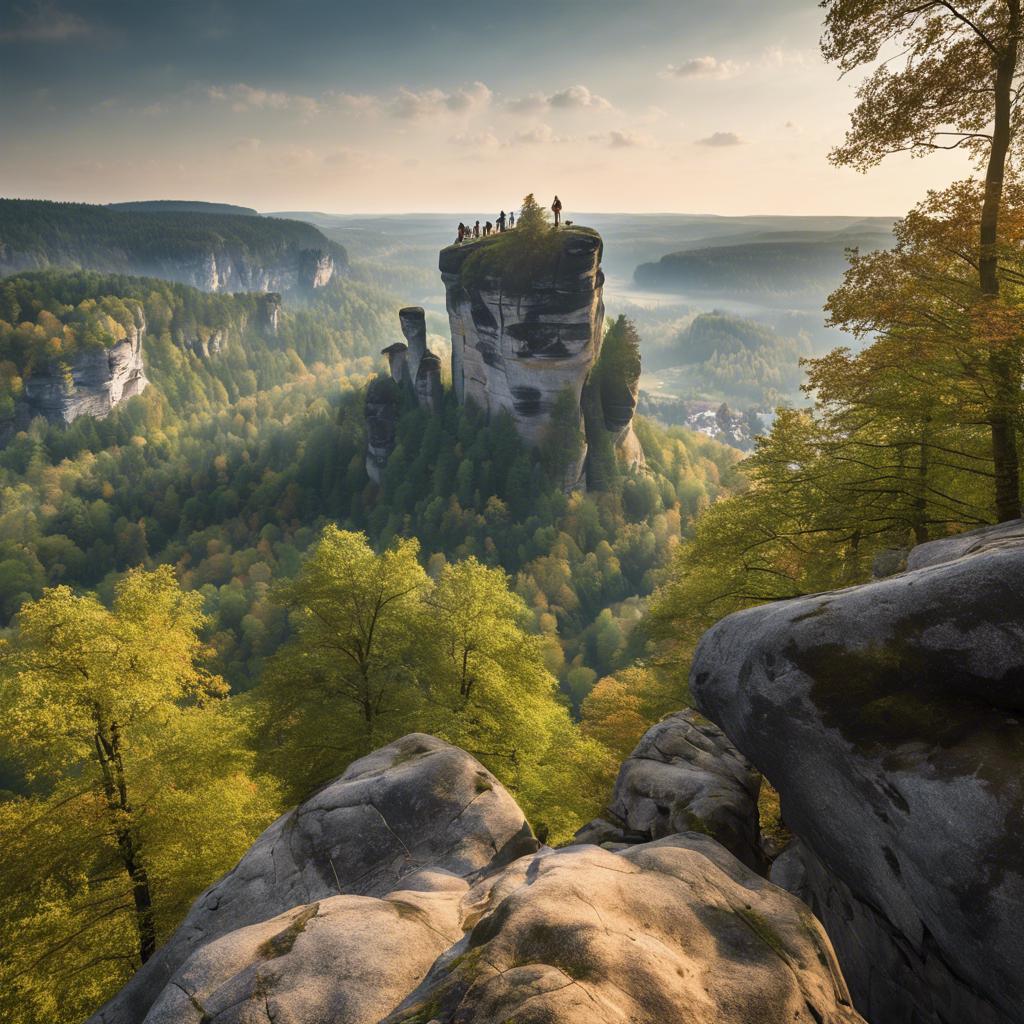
953 84
141 790
345 681
487 686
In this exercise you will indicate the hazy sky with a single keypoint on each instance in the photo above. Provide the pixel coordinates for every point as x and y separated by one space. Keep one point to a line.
716 106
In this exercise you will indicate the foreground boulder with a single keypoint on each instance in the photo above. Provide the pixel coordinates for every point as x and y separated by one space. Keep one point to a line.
414 806
412 889
345 958
685 776
673 931
888 716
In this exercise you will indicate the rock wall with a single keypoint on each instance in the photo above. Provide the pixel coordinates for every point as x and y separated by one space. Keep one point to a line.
101 378
381 412
517 352
888 716
316 268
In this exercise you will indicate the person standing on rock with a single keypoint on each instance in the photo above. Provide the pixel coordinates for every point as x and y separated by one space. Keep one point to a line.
462 232
511 219
501 221
556 209
487 228
476 230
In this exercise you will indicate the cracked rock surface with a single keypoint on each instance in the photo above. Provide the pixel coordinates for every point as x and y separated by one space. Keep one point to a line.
889 718
685 775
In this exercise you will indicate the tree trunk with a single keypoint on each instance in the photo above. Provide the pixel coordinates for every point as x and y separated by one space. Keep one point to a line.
1002 420
115 788
919 516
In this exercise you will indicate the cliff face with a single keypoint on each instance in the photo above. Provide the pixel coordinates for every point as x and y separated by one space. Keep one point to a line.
517 347
524 336
101 378
237 272
517 352
213 251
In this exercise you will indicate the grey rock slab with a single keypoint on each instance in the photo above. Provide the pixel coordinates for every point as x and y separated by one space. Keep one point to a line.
685 776
403 817
676 930
889 718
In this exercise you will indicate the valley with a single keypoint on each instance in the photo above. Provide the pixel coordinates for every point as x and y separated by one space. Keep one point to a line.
543 615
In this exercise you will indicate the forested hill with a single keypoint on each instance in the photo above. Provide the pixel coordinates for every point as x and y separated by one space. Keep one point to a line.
183 206
795 265
211 251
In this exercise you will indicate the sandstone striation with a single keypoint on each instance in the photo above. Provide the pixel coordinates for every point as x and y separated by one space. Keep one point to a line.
888 716
412 889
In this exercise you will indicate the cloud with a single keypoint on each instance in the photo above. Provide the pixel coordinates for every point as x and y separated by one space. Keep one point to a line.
573 97
356 102
249 145
44 22
702 67
475 140
775 57
576 97
243 98
540 134
413 106
622 140
720 139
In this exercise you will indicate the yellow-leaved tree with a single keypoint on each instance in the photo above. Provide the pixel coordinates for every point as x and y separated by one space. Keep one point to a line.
137 790
380 649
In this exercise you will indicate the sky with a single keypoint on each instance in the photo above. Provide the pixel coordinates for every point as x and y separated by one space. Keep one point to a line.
689 106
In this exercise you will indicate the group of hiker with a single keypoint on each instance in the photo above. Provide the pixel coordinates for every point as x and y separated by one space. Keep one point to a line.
503 222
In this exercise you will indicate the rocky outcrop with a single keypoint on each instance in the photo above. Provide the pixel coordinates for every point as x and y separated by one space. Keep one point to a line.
888 716
316 268
389 844
517 350
685 776
412 890
675 930
429 389
381 412
206 345
100 378
414 329
398 363
270 312
415 371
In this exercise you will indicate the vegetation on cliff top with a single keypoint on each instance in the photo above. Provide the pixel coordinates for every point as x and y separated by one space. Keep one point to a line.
39 233
521 256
